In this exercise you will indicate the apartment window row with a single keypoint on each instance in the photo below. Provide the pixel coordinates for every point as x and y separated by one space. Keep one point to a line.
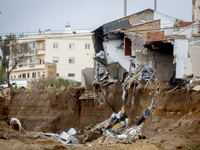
71 46
71 60
29 75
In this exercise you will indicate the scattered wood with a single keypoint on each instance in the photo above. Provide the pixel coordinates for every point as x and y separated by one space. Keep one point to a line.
172 127
148 81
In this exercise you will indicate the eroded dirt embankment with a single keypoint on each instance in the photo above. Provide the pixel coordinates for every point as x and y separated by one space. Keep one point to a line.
60 112
66 110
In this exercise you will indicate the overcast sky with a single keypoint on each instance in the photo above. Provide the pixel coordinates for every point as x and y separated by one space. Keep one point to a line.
31 15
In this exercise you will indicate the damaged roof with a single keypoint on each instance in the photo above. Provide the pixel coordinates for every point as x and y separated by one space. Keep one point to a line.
123 22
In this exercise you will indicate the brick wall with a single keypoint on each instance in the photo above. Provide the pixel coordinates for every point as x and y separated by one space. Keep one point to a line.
50 70
155 36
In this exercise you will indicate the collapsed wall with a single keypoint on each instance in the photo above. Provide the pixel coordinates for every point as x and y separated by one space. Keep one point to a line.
162 56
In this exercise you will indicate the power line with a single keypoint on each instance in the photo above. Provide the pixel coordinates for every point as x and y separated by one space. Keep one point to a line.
90 34
55 31
49 37
110 10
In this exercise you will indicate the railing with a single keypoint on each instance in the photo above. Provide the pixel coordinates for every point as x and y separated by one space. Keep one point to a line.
27 65
32 65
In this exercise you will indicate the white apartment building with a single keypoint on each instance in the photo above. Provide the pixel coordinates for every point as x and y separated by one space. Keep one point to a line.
72 52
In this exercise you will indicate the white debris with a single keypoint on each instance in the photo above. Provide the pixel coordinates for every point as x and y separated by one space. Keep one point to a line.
108 133
72 131
17 121
122 136
196 88
64 136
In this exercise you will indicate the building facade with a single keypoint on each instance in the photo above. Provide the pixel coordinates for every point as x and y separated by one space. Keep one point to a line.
71 52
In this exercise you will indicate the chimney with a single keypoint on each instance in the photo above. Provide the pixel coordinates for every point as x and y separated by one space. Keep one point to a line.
68 29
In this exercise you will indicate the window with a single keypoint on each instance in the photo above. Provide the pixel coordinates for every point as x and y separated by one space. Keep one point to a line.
55 45
71 46
71 60
87 46
127 47
55 60
23 75
34 45
32 59
11 77
33 74
42 46
57 74
27 75
31 45
38 74
71 75
14 77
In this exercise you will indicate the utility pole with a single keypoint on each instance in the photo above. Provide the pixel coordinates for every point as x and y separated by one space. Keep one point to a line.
125 8
155 5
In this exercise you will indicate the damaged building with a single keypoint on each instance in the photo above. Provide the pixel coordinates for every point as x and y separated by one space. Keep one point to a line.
147 38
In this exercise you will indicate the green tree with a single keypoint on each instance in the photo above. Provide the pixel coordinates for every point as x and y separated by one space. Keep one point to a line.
2 71
13 53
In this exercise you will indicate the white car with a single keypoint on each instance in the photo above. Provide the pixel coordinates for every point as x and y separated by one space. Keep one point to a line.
17 84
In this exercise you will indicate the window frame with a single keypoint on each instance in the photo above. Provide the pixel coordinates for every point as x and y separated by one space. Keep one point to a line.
70 58
71 47
87 45
69 75
55 45
57 60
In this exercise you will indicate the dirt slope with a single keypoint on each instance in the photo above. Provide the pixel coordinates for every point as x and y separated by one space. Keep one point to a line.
66 110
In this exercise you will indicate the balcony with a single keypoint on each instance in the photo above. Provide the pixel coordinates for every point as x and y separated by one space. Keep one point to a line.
29 66
40 51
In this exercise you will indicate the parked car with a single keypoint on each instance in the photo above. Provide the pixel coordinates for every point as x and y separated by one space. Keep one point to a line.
17 84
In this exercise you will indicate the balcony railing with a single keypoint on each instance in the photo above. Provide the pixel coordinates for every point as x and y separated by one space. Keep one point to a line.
35 51
28 65
32 65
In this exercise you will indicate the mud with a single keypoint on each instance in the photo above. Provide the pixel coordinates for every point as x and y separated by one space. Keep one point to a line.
46 111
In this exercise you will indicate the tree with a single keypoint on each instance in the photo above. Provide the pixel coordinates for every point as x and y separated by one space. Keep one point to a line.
2 71
13 53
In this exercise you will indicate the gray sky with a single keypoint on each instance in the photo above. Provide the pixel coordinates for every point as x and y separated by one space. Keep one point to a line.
31 15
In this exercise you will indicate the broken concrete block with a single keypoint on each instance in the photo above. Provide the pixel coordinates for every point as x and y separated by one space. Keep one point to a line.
91 135
64 136
110 139
74 141
72 131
